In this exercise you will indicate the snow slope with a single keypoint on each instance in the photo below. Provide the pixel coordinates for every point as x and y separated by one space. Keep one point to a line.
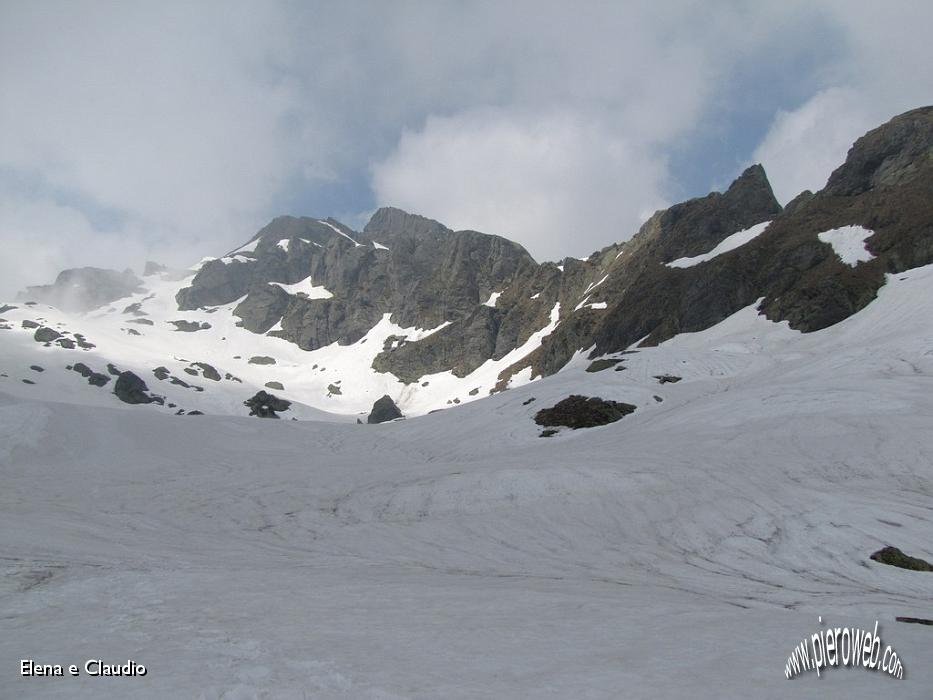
681 552
736 240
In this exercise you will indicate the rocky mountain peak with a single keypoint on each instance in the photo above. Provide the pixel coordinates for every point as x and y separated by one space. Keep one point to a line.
890 155
388 223
409 307
698 225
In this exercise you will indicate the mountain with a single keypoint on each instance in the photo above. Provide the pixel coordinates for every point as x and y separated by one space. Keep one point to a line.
767 373
334 319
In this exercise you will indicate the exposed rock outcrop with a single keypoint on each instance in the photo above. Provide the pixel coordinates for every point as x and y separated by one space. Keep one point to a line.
583 412
265 405
384 410
129 388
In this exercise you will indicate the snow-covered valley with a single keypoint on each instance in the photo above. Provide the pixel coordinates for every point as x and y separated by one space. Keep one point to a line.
680 552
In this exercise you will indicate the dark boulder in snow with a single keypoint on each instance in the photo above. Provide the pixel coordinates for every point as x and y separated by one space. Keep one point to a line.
384 410
46 335
275 385
667 378
207 371
190 326
265 405
93 378
583 412
600 365
261 360
131 389
895 557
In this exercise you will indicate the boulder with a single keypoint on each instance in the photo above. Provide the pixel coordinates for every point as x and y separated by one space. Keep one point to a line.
583 412
895 557
384 410
265 405
46 335
207 371
129 388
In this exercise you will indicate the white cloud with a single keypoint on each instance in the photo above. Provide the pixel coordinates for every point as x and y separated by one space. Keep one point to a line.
804 146
143 110
41 238
560 184
188 124
884 69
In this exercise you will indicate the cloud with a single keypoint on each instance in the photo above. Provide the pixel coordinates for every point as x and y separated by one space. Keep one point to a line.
804 146
884 69
144 111
41 238
560 184
182 127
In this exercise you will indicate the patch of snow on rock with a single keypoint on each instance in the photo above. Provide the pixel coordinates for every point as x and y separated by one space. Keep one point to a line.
848 243
736 240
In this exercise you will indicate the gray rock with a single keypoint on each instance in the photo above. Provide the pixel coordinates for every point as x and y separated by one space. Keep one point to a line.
93 378
667 378
583 412
264 405
261 360
275 385
46 335
207 371
189 326
129 388
600 365
384 410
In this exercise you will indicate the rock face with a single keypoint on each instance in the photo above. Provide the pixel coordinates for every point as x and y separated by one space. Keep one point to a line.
384 410
885 186
264 405
461 299
84 288
417 270
487 296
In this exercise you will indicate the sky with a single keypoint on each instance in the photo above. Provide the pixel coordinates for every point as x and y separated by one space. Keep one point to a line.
174 130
